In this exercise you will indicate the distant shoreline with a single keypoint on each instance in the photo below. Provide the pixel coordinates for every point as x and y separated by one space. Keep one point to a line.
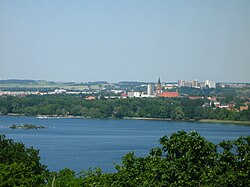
137 118
224 121
192 120
153 119
44 116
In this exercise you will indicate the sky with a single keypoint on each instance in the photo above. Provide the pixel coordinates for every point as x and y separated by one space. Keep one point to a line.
118 40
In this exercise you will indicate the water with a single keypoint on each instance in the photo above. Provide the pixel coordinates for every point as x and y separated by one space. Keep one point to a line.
83 143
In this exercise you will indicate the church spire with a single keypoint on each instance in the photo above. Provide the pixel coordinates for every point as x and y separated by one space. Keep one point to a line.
159 89
159 81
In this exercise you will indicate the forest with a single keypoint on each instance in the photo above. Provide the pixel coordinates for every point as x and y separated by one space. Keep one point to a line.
183 159
167 108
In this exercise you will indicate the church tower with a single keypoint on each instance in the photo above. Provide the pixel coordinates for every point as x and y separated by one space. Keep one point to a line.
158 89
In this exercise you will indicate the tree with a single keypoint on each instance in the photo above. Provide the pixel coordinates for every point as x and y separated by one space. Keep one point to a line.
66 178
184 159
20 166
189 156
177 114
118 113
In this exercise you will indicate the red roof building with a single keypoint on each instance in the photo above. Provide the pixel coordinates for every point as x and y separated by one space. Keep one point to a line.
90 98
124 95
169 94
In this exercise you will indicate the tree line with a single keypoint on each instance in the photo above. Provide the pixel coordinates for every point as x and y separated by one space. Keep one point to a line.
171 108
184 159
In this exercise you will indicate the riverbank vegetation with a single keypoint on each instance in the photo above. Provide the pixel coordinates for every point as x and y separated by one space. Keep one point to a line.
184 159
167 108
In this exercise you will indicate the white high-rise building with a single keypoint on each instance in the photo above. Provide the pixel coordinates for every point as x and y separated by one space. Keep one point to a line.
210 84
150 89
195 83
188 83
181 83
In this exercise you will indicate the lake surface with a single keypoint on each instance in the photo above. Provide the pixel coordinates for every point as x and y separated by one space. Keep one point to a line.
83 143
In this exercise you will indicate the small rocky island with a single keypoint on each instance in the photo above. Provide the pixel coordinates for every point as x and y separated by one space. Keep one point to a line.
26 126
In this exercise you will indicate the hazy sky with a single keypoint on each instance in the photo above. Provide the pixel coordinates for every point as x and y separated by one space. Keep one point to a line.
115 40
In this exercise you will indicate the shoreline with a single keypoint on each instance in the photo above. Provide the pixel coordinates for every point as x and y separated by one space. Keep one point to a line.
192 120
144 118
224 121
136 118
43 116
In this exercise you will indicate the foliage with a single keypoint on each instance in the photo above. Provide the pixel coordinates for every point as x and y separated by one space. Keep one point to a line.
20 174
65 178
19 166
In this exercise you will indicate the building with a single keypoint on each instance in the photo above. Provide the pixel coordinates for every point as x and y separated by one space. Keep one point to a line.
181 83
210 84
188 83
243 107
90 98
150 89
160 93
134 94
59 91
124 95
158 89
170 86
195 83
147 96
195 97
170 94
216 104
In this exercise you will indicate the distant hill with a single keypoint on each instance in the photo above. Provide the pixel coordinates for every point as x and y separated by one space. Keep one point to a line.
17 81
98 82
25 81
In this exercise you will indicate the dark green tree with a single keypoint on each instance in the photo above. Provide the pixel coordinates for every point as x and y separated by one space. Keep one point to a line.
20 166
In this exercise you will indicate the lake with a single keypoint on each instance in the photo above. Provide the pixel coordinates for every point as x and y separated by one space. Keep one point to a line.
79 144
